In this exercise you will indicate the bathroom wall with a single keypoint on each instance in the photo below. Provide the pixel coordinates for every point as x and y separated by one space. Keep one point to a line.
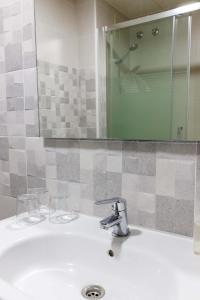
157 179
107 15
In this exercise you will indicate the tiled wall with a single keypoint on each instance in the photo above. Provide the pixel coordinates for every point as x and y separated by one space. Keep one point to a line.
67 101
18 92
157 179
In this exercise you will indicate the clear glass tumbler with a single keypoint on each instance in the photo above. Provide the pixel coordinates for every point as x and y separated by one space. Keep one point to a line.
28 210
43 197
59 212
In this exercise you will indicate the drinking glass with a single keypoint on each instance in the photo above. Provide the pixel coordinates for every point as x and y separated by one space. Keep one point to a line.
43 197
59 212
28 210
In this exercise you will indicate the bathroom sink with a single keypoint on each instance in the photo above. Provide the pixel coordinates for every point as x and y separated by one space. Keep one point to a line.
60 262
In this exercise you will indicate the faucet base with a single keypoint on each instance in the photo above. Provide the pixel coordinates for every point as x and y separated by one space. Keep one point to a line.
119 233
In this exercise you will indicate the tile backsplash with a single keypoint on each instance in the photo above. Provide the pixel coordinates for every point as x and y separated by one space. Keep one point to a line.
158 179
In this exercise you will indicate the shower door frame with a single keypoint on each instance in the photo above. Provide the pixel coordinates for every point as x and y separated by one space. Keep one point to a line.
166 14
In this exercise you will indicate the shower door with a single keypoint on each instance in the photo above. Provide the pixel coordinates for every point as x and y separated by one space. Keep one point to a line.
140 82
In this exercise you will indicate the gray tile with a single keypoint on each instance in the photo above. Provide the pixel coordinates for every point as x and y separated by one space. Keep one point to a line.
91 133
15 104
14 85
13 57
35 182
4 148
145 219
139 158
100 182
165 207
18 185
146 184
3 130
50 144
30 103
185 180
62 167
114 184
90 85
132 210
29 59
86 184
100 162
185 189
90 103
34 168
130 164
4 189
7 207
17 143
30 89
17 162
32 130
68 166
184 217
178 151
35 157
114 147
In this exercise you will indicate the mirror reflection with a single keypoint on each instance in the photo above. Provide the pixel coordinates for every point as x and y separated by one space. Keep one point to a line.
103 73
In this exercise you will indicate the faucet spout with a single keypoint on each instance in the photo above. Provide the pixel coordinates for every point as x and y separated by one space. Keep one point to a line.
111 221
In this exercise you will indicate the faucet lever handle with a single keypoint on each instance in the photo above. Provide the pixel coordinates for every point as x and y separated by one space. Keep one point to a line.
118 203
111 201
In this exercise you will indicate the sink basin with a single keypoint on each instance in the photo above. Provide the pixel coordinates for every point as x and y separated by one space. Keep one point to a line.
49 261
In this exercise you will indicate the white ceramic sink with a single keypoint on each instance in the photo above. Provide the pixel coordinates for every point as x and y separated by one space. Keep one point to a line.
54 262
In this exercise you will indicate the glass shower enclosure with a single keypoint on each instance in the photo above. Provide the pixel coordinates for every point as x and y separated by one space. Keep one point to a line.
148 72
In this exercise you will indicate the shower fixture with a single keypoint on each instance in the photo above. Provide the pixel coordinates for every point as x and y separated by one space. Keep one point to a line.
139 35
133 47
155 31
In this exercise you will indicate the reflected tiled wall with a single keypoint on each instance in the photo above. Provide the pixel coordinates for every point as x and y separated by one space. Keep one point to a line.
67 101
157 179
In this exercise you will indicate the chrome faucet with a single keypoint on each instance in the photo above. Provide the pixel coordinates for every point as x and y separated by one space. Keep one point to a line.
118 220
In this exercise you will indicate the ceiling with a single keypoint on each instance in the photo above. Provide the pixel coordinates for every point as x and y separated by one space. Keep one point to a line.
137 8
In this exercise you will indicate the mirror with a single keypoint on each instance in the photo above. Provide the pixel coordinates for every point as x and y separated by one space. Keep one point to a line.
110 69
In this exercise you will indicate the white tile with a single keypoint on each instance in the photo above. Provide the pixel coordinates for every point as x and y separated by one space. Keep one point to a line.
114 163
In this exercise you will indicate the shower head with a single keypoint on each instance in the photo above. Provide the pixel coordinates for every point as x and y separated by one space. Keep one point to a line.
133 47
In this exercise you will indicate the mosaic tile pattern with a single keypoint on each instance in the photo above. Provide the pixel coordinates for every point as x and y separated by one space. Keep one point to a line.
67 101
18 84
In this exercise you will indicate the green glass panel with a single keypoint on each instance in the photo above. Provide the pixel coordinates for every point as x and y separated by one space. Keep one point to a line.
139 81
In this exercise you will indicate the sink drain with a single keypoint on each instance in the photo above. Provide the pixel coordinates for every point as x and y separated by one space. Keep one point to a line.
93 292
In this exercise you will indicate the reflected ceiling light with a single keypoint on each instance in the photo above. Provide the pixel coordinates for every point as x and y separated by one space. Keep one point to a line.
188 7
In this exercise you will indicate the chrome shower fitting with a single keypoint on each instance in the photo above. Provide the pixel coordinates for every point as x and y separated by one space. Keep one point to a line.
139 35
155 31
